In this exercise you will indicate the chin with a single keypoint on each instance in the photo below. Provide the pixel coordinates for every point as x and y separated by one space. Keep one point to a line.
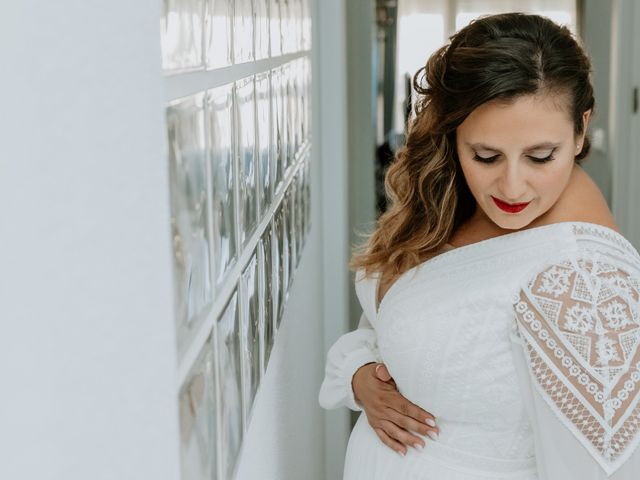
512 222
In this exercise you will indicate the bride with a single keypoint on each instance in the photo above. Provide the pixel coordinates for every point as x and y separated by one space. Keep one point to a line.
501 320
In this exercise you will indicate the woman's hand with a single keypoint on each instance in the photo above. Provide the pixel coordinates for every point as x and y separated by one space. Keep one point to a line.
390 414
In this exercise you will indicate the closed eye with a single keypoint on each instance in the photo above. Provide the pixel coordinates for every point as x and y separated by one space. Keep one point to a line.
485 159
542 160
534 159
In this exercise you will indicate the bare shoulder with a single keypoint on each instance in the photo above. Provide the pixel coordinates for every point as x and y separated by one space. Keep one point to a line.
582 201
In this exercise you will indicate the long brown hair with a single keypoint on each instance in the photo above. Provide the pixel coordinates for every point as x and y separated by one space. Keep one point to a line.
501 57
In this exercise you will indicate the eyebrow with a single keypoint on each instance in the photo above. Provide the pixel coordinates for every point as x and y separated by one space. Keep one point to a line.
537 146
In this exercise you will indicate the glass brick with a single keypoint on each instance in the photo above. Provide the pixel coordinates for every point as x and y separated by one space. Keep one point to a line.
189 212
293 237
295 8
198 420
250 332
220 143
276 267
218 33
181 30
264 141
288 99
246 135
229 375
306 25
277 130
262 29
283 238
299 215
299 103
243 31
307 194
275 28
287 27
266 277
306 98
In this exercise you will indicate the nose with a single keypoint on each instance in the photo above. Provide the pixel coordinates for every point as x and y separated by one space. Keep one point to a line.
513 185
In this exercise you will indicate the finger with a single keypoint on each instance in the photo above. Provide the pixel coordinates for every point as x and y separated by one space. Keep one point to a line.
405 407
389 386
390 442
401 435
410 424
382 373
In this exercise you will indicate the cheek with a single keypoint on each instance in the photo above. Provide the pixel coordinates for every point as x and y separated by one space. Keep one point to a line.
475 176
552 182
467 171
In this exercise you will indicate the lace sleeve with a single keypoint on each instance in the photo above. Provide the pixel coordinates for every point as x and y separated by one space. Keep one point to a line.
577 322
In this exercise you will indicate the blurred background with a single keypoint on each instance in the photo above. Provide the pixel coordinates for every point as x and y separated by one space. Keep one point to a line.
181 184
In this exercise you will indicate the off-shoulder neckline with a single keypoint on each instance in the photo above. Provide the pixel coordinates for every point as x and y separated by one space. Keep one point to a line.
456 250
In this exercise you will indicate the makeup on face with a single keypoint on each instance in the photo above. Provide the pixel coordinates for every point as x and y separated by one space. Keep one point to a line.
540 153
518 152
509 207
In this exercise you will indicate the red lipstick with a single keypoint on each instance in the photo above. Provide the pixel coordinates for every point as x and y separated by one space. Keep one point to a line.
510 207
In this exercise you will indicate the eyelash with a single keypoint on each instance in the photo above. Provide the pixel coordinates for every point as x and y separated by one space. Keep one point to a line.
534 159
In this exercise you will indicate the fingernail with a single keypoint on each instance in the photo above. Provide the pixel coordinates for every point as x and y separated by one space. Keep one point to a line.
401 453
419 446
433 435
430 422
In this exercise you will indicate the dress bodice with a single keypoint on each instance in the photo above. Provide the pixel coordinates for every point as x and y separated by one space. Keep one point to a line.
443 332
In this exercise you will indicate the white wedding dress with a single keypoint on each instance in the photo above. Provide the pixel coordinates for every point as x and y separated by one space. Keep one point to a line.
523 346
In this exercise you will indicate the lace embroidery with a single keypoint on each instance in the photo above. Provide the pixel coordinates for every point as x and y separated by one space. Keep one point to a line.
579 319
590 230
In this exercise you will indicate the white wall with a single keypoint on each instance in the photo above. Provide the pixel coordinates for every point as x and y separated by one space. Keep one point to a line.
361 127
332 149
88 348
88 332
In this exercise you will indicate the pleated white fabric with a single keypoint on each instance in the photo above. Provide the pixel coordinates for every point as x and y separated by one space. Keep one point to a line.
449 332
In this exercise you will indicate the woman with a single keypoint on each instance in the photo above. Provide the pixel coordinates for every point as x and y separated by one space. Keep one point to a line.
496 289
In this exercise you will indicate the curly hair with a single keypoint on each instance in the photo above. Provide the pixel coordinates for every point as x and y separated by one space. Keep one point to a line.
499 57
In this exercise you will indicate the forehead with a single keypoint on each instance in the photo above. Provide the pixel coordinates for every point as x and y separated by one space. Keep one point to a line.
529 118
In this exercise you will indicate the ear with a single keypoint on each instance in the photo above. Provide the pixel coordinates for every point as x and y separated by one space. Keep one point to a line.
586 117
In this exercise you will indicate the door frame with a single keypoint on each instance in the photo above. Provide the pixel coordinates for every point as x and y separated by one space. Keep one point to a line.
623 122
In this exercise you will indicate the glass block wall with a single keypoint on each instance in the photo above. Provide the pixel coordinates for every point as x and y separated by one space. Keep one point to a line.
238 79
